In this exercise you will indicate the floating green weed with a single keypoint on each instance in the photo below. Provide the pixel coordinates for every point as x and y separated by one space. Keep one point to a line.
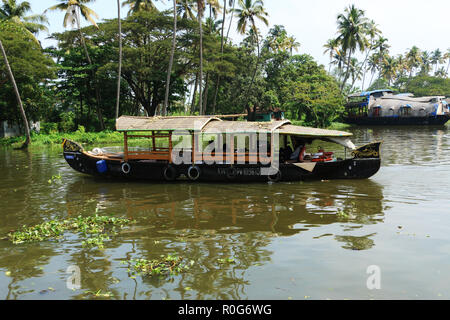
55 178
96 241
226 261
54 229
169 265
99 294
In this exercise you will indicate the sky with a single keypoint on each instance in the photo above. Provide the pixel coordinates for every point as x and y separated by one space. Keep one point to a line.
405 23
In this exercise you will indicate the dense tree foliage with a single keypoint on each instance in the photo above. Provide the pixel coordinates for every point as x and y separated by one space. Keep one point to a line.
32 71
76 82
294 83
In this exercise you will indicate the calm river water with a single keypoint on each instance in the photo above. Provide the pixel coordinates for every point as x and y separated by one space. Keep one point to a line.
287 240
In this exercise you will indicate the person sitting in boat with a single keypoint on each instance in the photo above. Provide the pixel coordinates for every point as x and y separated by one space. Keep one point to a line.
299 151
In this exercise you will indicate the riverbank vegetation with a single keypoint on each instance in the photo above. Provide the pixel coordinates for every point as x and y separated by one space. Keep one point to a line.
75 82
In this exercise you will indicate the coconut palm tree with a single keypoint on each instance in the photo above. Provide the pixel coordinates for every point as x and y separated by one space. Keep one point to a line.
75 9
352 29
373 64
331 48
19 100
119 72
425 66
185 9
379 44
200 11
232 4
139 5
373 43
247 14
389 69
355 70
440 73
290 44
436 58
172 53
413 59
17 12
216 91
402 66
447 56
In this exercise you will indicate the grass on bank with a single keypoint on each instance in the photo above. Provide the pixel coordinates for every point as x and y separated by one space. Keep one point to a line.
42 139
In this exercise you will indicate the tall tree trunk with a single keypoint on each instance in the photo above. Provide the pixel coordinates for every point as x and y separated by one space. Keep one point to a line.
19 100
221 55
216 91
363 80
257 63
172 53
205 93
371 79
81 108
194 94
119 73
347 73
360 68
97 92
231 19
200 78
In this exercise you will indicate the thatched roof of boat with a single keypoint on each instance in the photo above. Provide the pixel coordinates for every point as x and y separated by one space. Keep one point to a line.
211 124
290 129
130 123
243 126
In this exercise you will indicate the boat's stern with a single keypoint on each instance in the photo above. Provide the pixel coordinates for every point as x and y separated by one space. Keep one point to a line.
368 151
366 161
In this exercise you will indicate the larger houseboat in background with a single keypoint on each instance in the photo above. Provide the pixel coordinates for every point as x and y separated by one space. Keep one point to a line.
383 107
159 150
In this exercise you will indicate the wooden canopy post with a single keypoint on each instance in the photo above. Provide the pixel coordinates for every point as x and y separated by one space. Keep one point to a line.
170 146
153 141
125 145
193 148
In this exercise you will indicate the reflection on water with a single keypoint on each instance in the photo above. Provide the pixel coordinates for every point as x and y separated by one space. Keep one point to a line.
415 145
285 240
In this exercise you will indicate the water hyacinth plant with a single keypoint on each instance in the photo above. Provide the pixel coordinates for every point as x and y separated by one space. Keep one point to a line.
169 265
92 225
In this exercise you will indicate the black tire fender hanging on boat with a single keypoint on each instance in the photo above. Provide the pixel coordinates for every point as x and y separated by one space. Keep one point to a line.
170 173
193 173
126 168
275 177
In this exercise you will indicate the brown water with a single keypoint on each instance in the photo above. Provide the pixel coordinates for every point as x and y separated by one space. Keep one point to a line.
288 240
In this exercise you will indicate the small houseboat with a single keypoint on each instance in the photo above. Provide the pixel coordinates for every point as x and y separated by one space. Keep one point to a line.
383 107
206 148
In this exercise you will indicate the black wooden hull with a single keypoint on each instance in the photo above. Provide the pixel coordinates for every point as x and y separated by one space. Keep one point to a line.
160 171
432 120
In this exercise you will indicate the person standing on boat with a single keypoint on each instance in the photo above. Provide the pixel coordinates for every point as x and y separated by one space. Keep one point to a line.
299 151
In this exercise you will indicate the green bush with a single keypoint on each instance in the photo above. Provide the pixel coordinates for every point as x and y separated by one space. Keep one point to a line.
67 123
49 127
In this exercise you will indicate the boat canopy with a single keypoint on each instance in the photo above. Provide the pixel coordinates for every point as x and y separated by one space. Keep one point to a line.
307 132
244 127
212 124
130 123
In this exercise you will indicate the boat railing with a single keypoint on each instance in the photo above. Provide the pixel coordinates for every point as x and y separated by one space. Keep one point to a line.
153 153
